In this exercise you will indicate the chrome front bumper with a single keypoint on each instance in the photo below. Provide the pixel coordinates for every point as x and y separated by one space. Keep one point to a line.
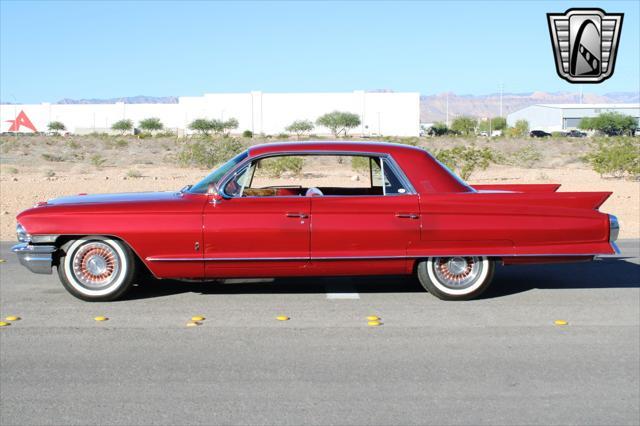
36 258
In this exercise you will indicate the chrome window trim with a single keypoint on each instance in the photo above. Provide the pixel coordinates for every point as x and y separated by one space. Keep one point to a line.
383 155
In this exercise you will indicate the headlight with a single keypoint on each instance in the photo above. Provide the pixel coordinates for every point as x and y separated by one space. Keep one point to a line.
22 234
614 228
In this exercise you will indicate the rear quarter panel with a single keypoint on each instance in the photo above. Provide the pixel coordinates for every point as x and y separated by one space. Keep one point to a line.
514 224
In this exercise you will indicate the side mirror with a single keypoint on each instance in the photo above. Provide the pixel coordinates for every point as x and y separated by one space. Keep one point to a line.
212 191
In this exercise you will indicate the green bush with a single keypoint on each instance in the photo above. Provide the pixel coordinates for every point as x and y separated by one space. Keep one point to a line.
277 166
464 160
53 158
360 164
524 157
616 157
610 123
134 174
97 160
207 153
247 134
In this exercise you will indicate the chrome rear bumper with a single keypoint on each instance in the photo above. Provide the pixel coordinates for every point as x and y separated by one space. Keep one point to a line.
36 258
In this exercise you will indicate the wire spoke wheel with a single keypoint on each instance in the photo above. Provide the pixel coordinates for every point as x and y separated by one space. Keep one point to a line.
456 277
96 265
96 268
457 272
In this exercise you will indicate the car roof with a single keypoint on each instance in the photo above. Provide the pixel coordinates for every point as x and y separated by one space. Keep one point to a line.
331 146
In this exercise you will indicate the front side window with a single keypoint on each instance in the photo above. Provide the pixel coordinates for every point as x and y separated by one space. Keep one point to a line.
316 175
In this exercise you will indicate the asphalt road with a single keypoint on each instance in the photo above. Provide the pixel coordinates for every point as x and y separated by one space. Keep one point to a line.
499 360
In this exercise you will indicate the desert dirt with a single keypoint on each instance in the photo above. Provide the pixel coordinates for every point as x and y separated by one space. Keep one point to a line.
40 168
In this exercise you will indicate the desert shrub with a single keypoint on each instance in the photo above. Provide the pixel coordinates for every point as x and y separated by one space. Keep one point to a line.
53 158
413 141
49 173
610 123
300 127
339 121
122 126
519 130
134 174
207 153
152 124
118 143
247 134
97 160
277 166
616 157
12 171
438 129
284 136
167 133
144 135
360 164
464 160
56 126
73 144
464 125
524 157
557 134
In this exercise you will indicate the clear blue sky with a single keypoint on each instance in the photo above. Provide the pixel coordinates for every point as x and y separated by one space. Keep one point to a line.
52 50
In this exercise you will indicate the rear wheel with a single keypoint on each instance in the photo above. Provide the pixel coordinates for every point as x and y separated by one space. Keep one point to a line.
456 278
96 269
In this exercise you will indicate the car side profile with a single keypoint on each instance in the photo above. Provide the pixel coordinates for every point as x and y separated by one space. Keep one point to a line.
539 134
314 209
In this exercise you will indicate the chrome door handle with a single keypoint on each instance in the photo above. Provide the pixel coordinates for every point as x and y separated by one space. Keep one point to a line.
300 215
407 215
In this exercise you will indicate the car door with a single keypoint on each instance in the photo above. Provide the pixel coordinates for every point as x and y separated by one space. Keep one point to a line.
366 234
256 236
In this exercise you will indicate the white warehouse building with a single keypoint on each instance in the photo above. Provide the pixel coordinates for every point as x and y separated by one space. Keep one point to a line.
381 113
560 117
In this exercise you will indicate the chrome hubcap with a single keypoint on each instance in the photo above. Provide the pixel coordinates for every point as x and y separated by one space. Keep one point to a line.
96 265
457 272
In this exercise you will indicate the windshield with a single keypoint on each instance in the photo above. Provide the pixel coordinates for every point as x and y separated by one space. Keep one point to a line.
214 176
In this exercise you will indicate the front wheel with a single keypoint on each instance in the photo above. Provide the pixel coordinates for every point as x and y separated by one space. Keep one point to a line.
96 269
456 278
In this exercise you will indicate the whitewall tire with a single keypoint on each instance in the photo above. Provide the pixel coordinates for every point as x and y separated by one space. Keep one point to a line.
456 278
96 268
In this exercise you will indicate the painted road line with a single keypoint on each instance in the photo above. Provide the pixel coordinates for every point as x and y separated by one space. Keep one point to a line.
341 290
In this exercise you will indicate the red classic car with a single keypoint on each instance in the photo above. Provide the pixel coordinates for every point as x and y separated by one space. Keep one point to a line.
315 209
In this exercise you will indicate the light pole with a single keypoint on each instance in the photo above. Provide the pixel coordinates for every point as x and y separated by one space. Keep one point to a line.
447 110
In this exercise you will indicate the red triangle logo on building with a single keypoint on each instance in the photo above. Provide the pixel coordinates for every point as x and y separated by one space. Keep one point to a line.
21 120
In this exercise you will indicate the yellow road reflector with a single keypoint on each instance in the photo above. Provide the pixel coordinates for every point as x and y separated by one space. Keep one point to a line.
374 323
193 324
101 318
12 318
282 318
560 322
373 318
4 324
198 318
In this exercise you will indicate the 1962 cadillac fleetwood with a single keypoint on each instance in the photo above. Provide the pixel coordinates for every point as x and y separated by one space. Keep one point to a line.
409 215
